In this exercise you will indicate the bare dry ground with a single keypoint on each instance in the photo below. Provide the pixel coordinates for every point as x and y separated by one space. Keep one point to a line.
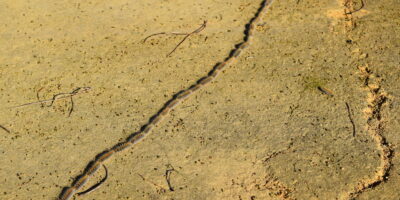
310 111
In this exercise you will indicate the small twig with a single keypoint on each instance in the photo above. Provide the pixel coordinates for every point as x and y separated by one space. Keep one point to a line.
56 96
72 107
325 91
4 128
356 10
168 177
70 94
152 183
203 26
37 96
76 91
351 119
162 33
95 186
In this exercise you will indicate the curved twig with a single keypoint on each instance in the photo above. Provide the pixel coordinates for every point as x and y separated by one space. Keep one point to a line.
95 186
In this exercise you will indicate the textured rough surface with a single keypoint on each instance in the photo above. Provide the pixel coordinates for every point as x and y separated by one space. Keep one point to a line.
274 125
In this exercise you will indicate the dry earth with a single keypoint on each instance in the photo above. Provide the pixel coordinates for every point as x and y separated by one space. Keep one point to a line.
275 125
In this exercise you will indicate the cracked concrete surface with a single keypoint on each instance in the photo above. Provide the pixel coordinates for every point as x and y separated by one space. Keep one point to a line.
262 130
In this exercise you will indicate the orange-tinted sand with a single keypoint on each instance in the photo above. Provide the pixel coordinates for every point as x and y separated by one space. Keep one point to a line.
261 130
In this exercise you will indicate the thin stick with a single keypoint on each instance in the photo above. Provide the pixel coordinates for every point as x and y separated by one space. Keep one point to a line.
162 33
150 182
72 106
168 177
203 26
356 10
351 119
325 91
37 96
79 90
95 186
4 128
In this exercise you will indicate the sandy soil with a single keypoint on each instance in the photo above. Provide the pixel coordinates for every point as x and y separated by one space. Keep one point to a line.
275 125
